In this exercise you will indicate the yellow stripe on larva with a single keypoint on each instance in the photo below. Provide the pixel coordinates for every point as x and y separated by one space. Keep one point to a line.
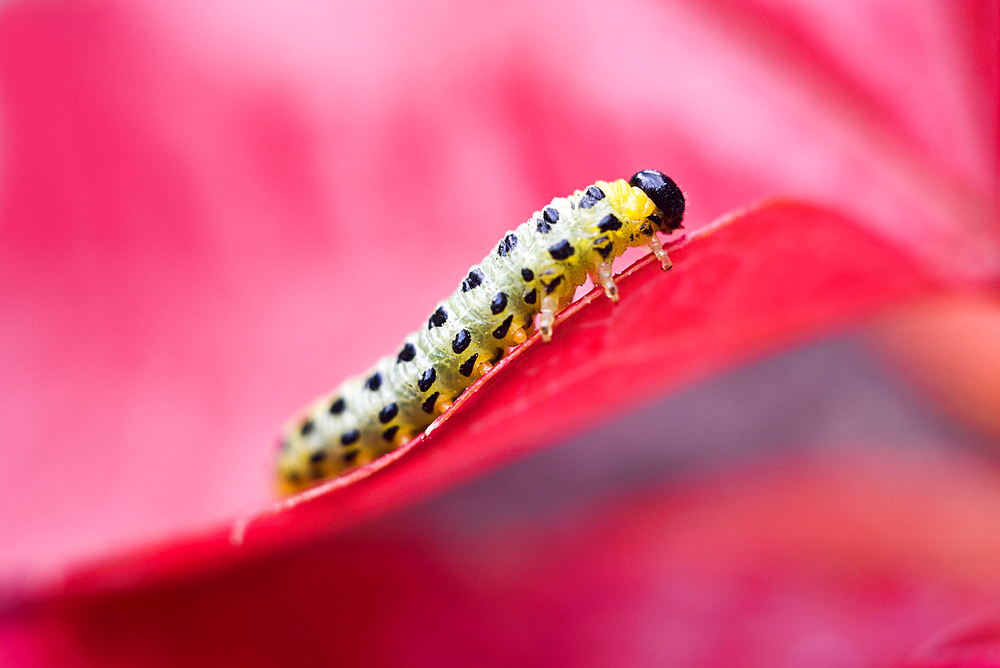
628 202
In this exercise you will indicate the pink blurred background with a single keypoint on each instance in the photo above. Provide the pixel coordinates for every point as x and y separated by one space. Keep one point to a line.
211 212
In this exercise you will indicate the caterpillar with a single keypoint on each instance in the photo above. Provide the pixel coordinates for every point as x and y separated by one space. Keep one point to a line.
531 275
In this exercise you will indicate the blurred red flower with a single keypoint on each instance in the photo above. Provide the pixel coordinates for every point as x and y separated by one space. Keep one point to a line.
211 213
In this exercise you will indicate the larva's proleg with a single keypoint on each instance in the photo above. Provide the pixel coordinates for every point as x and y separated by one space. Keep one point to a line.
661 255
532 272
604 278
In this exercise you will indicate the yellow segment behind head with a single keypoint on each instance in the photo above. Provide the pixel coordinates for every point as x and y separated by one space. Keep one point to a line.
627 201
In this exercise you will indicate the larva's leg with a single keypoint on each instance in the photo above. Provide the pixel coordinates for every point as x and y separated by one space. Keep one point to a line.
516 336
605 280
483 367
547 316
657 248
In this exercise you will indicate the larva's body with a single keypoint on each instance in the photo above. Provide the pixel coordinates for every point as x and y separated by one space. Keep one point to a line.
534 271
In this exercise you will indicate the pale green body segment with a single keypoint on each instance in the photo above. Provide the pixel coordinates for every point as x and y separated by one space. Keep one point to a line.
537 267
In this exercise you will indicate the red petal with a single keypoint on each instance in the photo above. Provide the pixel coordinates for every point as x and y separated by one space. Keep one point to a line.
777 274
170 169
811 562
195 224
971 643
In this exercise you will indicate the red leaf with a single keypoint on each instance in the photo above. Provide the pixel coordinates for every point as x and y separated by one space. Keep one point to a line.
205 204
192 193
817 561
774 275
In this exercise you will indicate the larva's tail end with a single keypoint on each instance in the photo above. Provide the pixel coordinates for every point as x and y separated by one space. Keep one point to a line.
289 482
665 194
284 487
293 470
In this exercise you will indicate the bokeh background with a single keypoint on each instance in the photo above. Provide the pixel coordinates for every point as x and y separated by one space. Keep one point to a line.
211 212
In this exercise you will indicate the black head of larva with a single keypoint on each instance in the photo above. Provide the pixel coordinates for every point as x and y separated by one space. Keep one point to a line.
665 194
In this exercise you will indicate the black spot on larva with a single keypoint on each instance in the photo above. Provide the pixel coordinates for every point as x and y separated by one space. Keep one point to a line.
527 274
426 380
507 245
468 365
349 437
428 405
338 406
561 250
374 382
542 226
591 197
501 331
390 433
497 355
350 456
461 342
317 456
438 318
388 413
307 427
603 246
499 303
664 193
549 287
646 229
473 280
609 223
551 215
531 297
406 354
